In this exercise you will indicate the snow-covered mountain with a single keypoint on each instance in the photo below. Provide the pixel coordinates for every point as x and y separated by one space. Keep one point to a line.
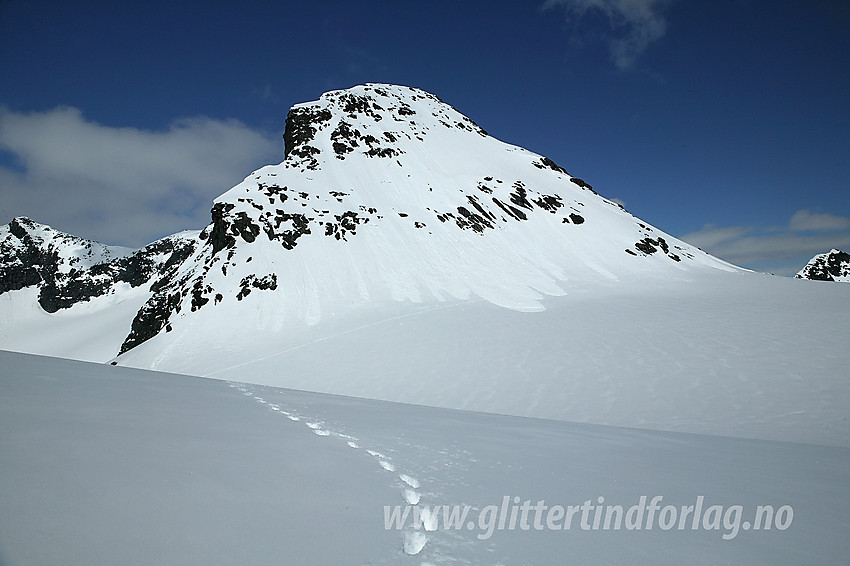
401 253
832 266
68 270
385 193
68 296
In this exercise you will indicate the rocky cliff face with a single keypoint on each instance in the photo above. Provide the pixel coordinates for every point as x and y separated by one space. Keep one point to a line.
69 271
832 266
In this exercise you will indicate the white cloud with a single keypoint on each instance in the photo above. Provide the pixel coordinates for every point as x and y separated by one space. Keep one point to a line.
785 249
634 24
805 220
712 237
123 185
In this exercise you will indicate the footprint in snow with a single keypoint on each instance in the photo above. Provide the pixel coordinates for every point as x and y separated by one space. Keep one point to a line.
410 496
411 481
429 519
317 428
414 542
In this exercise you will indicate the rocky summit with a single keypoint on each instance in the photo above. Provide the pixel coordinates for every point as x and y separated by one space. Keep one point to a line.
831 266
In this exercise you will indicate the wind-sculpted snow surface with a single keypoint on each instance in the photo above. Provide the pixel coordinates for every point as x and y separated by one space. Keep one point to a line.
735 354
106 465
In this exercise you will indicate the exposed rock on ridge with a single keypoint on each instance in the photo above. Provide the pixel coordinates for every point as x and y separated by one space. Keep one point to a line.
832 266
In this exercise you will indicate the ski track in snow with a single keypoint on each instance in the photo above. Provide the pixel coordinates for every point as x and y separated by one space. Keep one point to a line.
413 541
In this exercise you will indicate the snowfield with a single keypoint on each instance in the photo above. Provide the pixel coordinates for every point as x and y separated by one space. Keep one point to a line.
736 354
106 465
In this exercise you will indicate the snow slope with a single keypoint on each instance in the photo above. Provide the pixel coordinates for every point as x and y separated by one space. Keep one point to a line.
740 354
93 330
106 465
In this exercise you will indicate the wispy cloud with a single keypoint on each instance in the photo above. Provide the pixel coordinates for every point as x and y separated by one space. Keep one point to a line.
781 249
633 25
807 221
122 185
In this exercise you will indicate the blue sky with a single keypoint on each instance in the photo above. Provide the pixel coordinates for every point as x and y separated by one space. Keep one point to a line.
724 122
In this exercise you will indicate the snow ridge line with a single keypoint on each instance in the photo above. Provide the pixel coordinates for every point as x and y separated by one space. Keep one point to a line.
413 541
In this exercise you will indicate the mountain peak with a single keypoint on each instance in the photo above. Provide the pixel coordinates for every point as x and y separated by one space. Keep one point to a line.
831 266
386 194
372 120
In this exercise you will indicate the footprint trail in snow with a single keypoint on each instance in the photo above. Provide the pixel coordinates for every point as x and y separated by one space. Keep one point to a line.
413 540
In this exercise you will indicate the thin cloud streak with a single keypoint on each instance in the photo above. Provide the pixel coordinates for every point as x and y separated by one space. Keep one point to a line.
123 185
634 24
785 248
805 220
